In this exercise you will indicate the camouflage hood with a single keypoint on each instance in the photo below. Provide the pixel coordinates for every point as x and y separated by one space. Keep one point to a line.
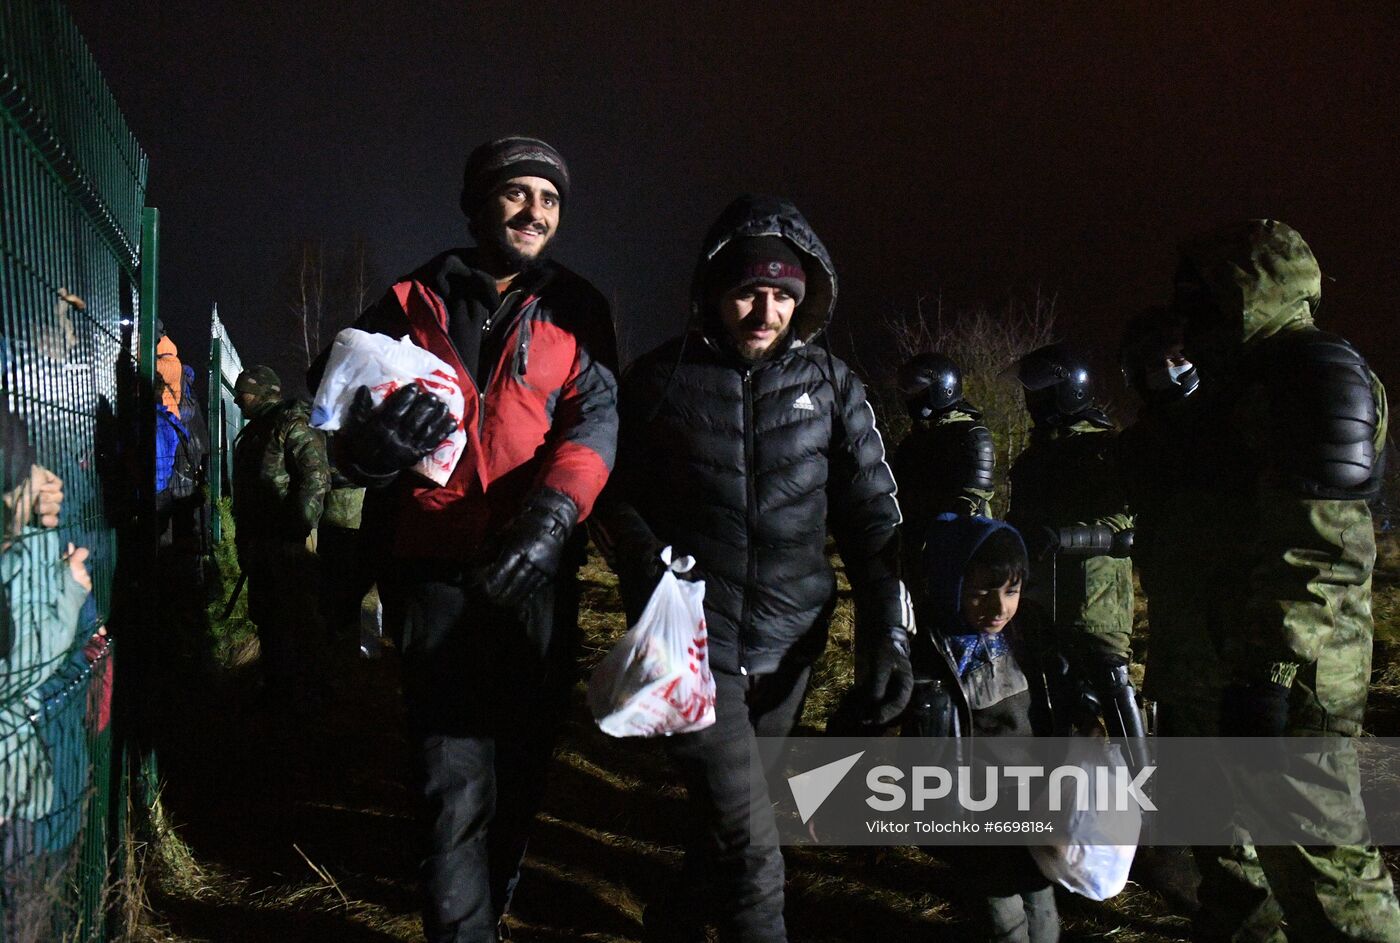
1261 277
770 216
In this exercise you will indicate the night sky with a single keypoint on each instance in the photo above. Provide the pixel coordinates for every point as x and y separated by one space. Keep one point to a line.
970 149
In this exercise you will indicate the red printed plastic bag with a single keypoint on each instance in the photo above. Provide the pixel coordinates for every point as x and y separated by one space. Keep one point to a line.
358 358
657 679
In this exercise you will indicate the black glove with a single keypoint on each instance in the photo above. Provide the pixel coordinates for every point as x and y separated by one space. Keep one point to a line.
530 548
884 676
409 424
1254 710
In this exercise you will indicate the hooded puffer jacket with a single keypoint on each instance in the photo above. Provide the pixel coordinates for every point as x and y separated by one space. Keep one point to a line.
743 465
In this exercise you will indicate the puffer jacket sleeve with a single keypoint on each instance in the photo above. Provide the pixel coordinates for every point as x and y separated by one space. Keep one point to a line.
621 533
864 511
582 440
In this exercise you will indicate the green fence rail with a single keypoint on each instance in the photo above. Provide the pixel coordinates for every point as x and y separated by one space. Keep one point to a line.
72 192
225 419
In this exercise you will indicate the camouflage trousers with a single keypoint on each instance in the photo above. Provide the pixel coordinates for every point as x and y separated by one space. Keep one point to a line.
1271 894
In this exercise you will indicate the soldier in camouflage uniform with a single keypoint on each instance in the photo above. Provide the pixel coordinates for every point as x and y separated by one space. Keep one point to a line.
280 479
1068 503
1152 457
1282 446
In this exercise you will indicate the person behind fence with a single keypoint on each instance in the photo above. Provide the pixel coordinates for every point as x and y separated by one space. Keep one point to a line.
991 678
741 441
280 478
480 575
1283 450
43 588
182 444
1067 500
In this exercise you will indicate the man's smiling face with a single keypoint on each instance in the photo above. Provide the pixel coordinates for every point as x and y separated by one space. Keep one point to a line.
518 219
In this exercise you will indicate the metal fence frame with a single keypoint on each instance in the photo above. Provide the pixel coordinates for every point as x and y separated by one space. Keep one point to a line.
225 419
73 237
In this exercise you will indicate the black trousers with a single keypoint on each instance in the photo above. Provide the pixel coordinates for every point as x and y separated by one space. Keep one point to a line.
347 577
733 856
283 601
485 691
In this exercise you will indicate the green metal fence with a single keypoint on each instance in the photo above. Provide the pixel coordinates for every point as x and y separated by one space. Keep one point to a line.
72 192
225 419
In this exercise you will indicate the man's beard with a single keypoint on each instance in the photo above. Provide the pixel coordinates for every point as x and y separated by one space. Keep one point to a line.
510 259
749 355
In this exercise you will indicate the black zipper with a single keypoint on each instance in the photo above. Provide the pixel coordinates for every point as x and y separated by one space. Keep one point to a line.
750 515
485 383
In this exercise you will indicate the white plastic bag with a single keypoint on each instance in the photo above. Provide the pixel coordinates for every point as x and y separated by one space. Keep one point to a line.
1082 859
657 679
383 364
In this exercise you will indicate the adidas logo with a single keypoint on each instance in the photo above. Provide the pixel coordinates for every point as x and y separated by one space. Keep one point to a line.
803 402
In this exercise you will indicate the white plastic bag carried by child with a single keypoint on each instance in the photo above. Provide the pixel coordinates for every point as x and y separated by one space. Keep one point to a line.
657 679
358 358
1094 847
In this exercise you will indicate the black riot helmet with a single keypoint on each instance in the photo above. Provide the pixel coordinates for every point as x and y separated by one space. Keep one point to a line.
1152 358
1057 383
930 384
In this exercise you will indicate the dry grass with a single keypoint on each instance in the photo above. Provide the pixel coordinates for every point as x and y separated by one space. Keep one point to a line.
301 832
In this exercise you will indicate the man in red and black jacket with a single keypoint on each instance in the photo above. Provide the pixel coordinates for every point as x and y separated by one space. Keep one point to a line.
480 572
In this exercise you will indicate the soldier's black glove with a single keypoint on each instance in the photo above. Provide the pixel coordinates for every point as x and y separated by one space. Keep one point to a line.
530 548
884 676
409 424
1259 709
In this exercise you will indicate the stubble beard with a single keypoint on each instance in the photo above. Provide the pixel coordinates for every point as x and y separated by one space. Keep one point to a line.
750 355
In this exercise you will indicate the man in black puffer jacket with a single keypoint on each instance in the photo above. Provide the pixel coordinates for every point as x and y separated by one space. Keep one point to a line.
738 444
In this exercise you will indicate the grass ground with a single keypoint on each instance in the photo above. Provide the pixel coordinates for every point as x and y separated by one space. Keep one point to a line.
299 829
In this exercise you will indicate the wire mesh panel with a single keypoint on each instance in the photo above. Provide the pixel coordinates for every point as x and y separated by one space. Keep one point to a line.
72 188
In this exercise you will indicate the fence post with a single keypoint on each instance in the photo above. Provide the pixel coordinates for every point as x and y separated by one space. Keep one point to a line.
215 414
148 770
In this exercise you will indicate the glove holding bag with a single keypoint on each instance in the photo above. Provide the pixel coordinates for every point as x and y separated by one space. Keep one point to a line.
420 422
408 425
657 679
